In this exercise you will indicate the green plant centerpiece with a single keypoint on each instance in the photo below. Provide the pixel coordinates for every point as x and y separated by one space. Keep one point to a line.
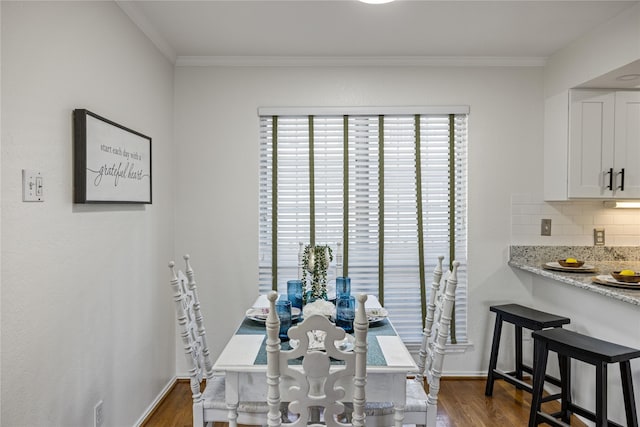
315 262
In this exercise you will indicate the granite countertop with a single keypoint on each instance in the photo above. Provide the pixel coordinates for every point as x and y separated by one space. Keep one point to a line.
604 259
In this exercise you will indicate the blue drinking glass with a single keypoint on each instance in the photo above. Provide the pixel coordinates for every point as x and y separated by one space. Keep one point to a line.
294 293
345 312
283 309
343 287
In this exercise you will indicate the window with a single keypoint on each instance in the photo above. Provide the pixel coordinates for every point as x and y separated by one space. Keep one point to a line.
390 186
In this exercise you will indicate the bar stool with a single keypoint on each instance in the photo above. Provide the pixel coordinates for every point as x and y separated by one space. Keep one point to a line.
572 345
521 317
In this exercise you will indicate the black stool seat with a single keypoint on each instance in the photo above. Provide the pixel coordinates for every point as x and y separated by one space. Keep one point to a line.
572 345
528 317
521 317
584 347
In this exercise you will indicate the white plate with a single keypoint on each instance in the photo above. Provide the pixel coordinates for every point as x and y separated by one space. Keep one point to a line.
555 265
608 278
376 314
347 344
316 342
259 314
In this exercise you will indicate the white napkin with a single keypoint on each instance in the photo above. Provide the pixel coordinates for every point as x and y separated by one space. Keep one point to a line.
261 302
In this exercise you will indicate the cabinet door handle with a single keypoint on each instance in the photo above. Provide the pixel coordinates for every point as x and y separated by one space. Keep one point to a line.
610 173
621 173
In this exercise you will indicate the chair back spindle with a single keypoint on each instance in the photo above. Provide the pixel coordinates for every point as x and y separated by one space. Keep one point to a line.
202 333
438 340
428 322
209 403
191 327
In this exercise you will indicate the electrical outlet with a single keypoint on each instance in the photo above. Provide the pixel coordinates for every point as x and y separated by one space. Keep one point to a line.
545 227
598 236
98 415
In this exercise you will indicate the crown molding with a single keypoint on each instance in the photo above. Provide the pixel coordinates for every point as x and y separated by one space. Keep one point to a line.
139 19
359 61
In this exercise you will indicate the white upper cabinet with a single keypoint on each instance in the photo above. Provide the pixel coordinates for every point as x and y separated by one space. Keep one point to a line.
592 145
626 157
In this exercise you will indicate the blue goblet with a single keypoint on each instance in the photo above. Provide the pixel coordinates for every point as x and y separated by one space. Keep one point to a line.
345 312
283 309
294 293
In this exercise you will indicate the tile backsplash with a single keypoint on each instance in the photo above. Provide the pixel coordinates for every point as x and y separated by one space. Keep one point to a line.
572 223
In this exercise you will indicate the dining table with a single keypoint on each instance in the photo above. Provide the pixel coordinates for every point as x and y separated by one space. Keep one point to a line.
244 363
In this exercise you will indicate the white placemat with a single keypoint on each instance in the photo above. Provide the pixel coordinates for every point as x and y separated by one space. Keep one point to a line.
240 350
394 351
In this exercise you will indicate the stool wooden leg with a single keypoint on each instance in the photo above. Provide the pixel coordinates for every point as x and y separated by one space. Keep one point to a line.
627 391
493 361
541 354
565 392
601 395
518 330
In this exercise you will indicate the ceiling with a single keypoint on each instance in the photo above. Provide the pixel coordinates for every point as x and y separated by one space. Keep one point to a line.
408 30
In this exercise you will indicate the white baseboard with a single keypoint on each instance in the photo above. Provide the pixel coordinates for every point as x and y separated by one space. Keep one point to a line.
156 401
469 374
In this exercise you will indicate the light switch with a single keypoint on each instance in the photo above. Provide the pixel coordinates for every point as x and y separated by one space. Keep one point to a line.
32 186
38 186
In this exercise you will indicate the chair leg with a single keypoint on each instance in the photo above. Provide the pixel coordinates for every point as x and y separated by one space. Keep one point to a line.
493 361
198 414
627 391
565 386
601 395
541 354
518 332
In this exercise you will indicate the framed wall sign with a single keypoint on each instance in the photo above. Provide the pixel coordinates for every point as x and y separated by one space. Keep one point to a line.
112 164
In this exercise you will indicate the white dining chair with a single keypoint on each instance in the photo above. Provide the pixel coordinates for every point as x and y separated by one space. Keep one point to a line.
316 383
208 403
421 407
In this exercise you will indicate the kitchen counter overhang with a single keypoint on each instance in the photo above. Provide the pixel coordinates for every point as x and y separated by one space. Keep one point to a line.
532 259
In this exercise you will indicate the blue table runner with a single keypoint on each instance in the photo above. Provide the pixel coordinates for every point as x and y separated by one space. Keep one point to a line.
374 352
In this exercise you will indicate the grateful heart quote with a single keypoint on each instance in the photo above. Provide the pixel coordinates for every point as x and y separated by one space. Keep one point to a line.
126 168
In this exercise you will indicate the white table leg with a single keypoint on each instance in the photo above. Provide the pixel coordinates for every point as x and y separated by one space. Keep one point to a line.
233 415
398 415
232 397
399 391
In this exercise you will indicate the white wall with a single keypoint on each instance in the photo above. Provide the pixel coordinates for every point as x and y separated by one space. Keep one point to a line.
611 45
0 211
86 307
217 198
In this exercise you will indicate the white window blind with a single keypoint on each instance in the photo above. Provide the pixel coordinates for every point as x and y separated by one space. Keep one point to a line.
353 179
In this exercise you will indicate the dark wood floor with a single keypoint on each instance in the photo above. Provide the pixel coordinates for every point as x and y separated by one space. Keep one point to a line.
461 403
